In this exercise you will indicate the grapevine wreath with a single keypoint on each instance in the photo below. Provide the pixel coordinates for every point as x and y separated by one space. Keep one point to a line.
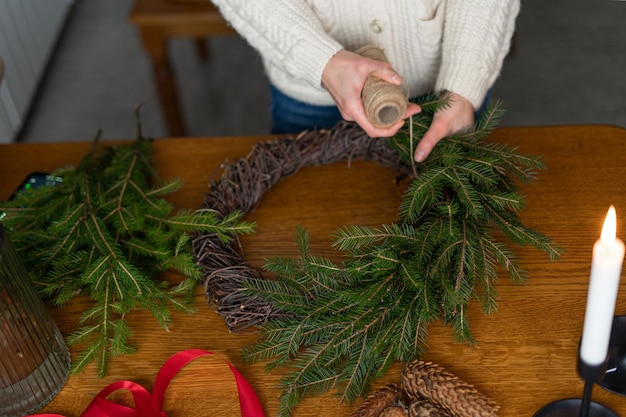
339 327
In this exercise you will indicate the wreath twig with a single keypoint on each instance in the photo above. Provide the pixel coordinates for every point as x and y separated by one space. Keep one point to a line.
241 186
341 326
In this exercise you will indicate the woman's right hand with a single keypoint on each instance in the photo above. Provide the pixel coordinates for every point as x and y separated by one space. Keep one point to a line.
344 77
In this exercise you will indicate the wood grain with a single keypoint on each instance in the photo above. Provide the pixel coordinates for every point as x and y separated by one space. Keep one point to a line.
525 356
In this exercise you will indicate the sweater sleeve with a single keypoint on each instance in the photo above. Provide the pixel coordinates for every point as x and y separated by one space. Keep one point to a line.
287 34
476 39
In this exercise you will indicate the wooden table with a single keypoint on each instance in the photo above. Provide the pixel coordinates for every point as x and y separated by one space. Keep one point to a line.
526 352
160 20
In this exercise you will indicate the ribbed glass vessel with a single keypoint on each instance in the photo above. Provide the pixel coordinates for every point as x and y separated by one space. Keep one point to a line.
34 359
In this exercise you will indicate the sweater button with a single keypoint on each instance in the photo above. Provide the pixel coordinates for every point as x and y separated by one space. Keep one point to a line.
376 26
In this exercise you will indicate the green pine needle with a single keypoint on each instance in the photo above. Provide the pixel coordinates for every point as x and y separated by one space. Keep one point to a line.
344 325
107 233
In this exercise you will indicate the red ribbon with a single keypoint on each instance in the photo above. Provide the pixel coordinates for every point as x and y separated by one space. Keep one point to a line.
149 405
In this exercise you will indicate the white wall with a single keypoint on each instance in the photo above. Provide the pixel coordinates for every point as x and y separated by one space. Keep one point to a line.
28 32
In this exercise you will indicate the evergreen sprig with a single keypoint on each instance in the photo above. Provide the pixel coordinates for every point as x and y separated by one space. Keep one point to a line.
106 232
343 325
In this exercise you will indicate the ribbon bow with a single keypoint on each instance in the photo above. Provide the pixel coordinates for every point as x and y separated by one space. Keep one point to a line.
149 405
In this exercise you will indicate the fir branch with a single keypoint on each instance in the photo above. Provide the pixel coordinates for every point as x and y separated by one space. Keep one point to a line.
344 325
106 232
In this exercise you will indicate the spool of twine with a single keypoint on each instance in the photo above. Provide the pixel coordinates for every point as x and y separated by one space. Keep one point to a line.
384 102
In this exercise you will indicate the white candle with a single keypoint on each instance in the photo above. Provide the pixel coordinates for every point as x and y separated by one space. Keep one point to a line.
606 269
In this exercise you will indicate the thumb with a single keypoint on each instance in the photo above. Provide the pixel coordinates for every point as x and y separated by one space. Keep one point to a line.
433 135
385 72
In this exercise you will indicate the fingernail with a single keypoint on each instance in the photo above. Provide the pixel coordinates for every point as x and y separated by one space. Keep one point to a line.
419 156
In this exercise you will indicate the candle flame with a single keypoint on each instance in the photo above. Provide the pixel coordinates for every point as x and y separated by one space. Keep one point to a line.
609 229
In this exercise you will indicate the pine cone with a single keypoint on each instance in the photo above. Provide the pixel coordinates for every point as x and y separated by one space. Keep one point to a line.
421 379
424 408
378 401
394 411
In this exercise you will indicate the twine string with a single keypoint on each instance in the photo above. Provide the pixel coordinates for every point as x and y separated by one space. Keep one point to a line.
385 103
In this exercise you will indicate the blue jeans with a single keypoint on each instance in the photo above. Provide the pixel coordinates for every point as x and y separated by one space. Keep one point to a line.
293 116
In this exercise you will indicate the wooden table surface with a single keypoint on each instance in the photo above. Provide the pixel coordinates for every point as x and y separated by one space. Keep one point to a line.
526 352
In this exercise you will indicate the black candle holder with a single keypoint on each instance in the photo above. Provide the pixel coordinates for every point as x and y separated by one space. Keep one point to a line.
580 407
615 378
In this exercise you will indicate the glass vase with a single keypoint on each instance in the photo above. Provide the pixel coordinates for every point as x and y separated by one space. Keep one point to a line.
34 359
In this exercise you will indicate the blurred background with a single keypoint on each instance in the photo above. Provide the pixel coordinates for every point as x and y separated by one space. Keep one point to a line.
568 66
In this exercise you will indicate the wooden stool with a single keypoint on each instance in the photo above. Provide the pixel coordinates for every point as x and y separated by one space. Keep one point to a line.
160 20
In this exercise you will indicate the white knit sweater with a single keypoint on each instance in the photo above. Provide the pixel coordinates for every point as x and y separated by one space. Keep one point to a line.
435 45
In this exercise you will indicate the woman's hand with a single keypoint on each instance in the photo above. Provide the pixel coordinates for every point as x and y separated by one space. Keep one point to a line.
344 77
459 114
